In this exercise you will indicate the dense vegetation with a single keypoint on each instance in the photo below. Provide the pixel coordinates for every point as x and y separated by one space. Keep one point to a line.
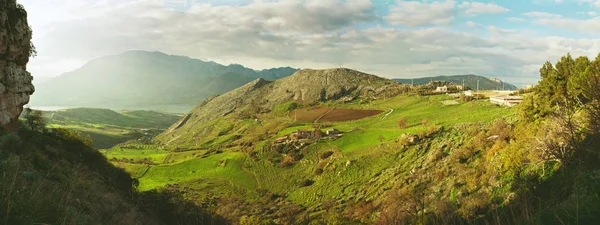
53 176
146 80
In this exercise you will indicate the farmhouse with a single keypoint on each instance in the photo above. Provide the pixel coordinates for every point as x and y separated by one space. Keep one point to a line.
301 134
506 100
307 136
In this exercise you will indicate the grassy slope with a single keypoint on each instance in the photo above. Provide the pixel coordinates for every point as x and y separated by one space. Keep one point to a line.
358 160
107 127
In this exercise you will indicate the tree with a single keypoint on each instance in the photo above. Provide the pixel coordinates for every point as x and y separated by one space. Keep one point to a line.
34 120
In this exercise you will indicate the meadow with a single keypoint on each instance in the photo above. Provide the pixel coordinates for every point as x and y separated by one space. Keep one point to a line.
360 162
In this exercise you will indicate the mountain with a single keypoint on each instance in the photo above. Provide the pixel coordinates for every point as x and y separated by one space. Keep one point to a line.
304 87
146 80
470 80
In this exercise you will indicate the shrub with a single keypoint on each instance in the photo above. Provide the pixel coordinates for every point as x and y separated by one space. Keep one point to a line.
402 123
326 154
319 171
306 182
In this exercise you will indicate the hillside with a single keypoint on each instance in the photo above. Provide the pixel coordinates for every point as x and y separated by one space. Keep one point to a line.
146 80
420 162
106 127
227 113
470 81
53 176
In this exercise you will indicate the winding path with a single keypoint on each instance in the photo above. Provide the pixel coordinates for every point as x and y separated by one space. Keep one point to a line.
387 114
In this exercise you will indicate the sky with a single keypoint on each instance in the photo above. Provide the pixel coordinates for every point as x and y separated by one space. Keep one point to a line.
506 39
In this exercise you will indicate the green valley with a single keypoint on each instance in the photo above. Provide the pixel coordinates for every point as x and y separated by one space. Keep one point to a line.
106 127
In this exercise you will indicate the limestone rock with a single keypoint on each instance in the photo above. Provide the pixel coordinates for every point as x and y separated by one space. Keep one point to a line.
15 47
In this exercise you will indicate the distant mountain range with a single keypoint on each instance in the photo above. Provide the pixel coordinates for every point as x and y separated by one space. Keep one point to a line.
146 80
470 81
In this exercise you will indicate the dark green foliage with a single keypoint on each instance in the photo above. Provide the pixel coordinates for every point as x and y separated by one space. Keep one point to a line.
57 178
34 119
326 154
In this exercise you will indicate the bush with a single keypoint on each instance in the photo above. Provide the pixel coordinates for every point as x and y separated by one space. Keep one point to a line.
402 123
319 171
306 182
326 154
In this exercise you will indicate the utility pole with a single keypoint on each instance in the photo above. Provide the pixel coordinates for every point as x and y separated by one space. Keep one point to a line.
477 86
413 82
463 87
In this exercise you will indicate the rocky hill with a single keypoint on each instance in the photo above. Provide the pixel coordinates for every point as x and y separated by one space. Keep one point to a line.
470 80
15 49
304 87
146 80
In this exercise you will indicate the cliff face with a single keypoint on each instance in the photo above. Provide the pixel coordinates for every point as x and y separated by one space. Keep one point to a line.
15 47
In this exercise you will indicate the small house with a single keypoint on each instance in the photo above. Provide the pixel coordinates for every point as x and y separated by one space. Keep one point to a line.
441 89
301 134
506 100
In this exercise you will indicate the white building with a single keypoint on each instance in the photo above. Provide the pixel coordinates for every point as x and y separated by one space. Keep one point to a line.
441 89
506 100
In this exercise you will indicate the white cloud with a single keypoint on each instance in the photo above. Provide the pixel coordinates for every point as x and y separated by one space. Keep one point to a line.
595 3
474 8
472 24
556 21
414 13
515 19
538 14
304 34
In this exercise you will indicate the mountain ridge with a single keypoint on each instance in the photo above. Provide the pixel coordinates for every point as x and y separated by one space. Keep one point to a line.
146 80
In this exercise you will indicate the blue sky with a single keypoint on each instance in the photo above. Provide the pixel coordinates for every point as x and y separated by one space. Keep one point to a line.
507 39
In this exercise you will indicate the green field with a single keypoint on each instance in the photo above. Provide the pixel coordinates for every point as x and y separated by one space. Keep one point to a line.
359 157
106 127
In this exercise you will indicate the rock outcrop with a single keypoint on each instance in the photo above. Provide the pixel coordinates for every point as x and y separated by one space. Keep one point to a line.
15 49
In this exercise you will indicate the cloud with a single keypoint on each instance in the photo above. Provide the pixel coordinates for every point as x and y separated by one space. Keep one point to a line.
557 21
537 14
474 8
595 3
298 33
414 13
515 19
